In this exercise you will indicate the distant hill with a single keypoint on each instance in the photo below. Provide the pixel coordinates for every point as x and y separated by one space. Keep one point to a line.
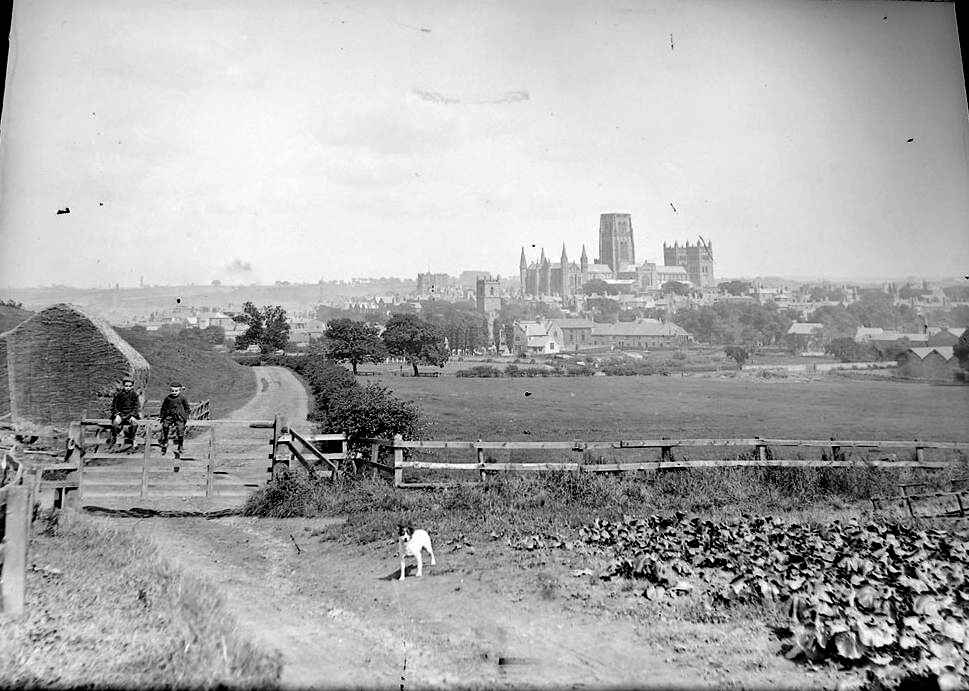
190 360
11 316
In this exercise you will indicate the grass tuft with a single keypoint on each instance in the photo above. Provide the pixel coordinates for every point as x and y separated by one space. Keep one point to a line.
104 609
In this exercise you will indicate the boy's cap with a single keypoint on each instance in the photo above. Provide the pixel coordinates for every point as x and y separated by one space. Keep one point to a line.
127 380
175 384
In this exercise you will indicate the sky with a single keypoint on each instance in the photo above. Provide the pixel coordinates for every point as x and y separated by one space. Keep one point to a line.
253 141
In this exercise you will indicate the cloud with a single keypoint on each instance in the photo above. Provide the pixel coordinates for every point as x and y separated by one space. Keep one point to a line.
437 97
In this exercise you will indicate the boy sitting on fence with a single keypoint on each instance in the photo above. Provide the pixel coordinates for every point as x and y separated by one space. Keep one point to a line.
125 409
174 412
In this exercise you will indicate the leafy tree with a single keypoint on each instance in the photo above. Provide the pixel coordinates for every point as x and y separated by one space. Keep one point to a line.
12 303
464 327
268 328
738 354
961 350
599 287
372 412
728 323
353 342
214 334
734 287
603 309
676 288
846 349
417 340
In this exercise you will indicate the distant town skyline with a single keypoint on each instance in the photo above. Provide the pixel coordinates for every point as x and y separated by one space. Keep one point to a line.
252 142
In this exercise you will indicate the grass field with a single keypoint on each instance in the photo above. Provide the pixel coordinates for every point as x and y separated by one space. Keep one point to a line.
592 408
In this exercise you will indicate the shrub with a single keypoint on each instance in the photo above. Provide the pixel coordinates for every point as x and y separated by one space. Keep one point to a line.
486 371
373 412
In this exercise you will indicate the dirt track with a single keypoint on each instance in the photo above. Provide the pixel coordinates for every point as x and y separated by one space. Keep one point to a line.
483 617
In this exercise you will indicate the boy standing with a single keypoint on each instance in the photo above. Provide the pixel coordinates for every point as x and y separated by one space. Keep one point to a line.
125 409
174 411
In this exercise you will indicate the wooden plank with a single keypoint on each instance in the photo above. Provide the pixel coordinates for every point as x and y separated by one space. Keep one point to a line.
16 529
211 463
398 460
325 437
660 443
313 450
145 460
654 465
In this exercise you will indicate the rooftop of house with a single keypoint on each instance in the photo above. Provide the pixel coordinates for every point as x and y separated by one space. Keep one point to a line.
922 353
639 328
805 328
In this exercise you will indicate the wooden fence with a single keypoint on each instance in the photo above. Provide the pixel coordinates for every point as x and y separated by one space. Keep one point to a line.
747 452
15 521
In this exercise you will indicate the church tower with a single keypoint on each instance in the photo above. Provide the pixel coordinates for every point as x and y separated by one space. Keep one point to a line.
523 271
544 275
563 287
616 246
584 266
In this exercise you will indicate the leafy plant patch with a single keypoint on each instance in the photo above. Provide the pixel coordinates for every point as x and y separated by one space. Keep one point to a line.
889 596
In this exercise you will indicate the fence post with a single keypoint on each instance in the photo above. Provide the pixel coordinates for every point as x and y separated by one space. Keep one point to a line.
919 453
16 525
145 458
209 482
280 456
398 459
665 456
835 452
761 451
374 459
481 460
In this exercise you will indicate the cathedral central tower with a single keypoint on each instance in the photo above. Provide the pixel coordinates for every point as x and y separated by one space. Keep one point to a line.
616 240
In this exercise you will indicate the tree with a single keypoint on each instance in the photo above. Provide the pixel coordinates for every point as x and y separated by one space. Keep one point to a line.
214 334
603 309
364 413
417 340
846 349
353 342
961 350
734 287
268 328
599 287
738 354
676 288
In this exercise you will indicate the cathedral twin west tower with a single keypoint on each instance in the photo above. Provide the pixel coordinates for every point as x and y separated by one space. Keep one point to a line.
616 264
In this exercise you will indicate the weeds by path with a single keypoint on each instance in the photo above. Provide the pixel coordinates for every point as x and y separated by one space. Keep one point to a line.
105 609
551 502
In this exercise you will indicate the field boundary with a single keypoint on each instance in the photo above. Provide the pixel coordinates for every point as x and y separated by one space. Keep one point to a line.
759 452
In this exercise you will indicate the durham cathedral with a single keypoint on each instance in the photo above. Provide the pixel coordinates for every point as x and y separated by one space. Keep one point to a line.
616 263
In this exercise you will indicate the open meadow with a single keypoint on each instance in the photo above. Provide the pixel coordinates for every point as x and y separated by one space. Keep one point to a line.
591 408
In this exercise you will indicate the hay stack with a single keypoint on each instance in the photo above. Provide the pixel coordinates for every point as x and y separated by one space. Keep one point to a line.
64 363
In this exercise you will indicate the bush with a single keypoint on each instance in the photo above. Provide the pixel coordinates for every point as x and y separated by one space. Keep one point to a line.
485 371
372 412
342 405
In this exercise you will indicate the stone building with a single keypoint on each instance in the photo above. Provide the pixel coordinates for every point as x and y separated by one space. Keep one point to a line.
696 259
64 363
616 246
487 295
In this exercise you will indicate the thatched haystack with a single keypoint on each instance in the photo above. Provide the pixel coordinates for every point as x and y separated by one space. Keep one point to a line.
64 363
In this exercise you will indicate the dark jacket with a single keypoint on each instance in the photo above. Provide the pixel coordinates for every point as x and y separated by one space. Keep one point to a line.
175 408
126 403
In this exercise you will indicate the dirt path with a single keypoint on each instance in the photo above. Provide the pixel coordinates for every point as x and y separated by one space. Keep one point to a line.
278 392
489 618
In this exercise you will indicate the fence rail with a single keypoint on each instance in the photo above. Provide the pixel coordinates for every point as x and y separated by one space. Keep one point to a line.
835 453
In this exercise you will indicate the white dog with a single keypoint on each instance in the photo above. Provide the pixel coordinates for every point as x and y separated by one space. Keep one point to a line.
410 542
